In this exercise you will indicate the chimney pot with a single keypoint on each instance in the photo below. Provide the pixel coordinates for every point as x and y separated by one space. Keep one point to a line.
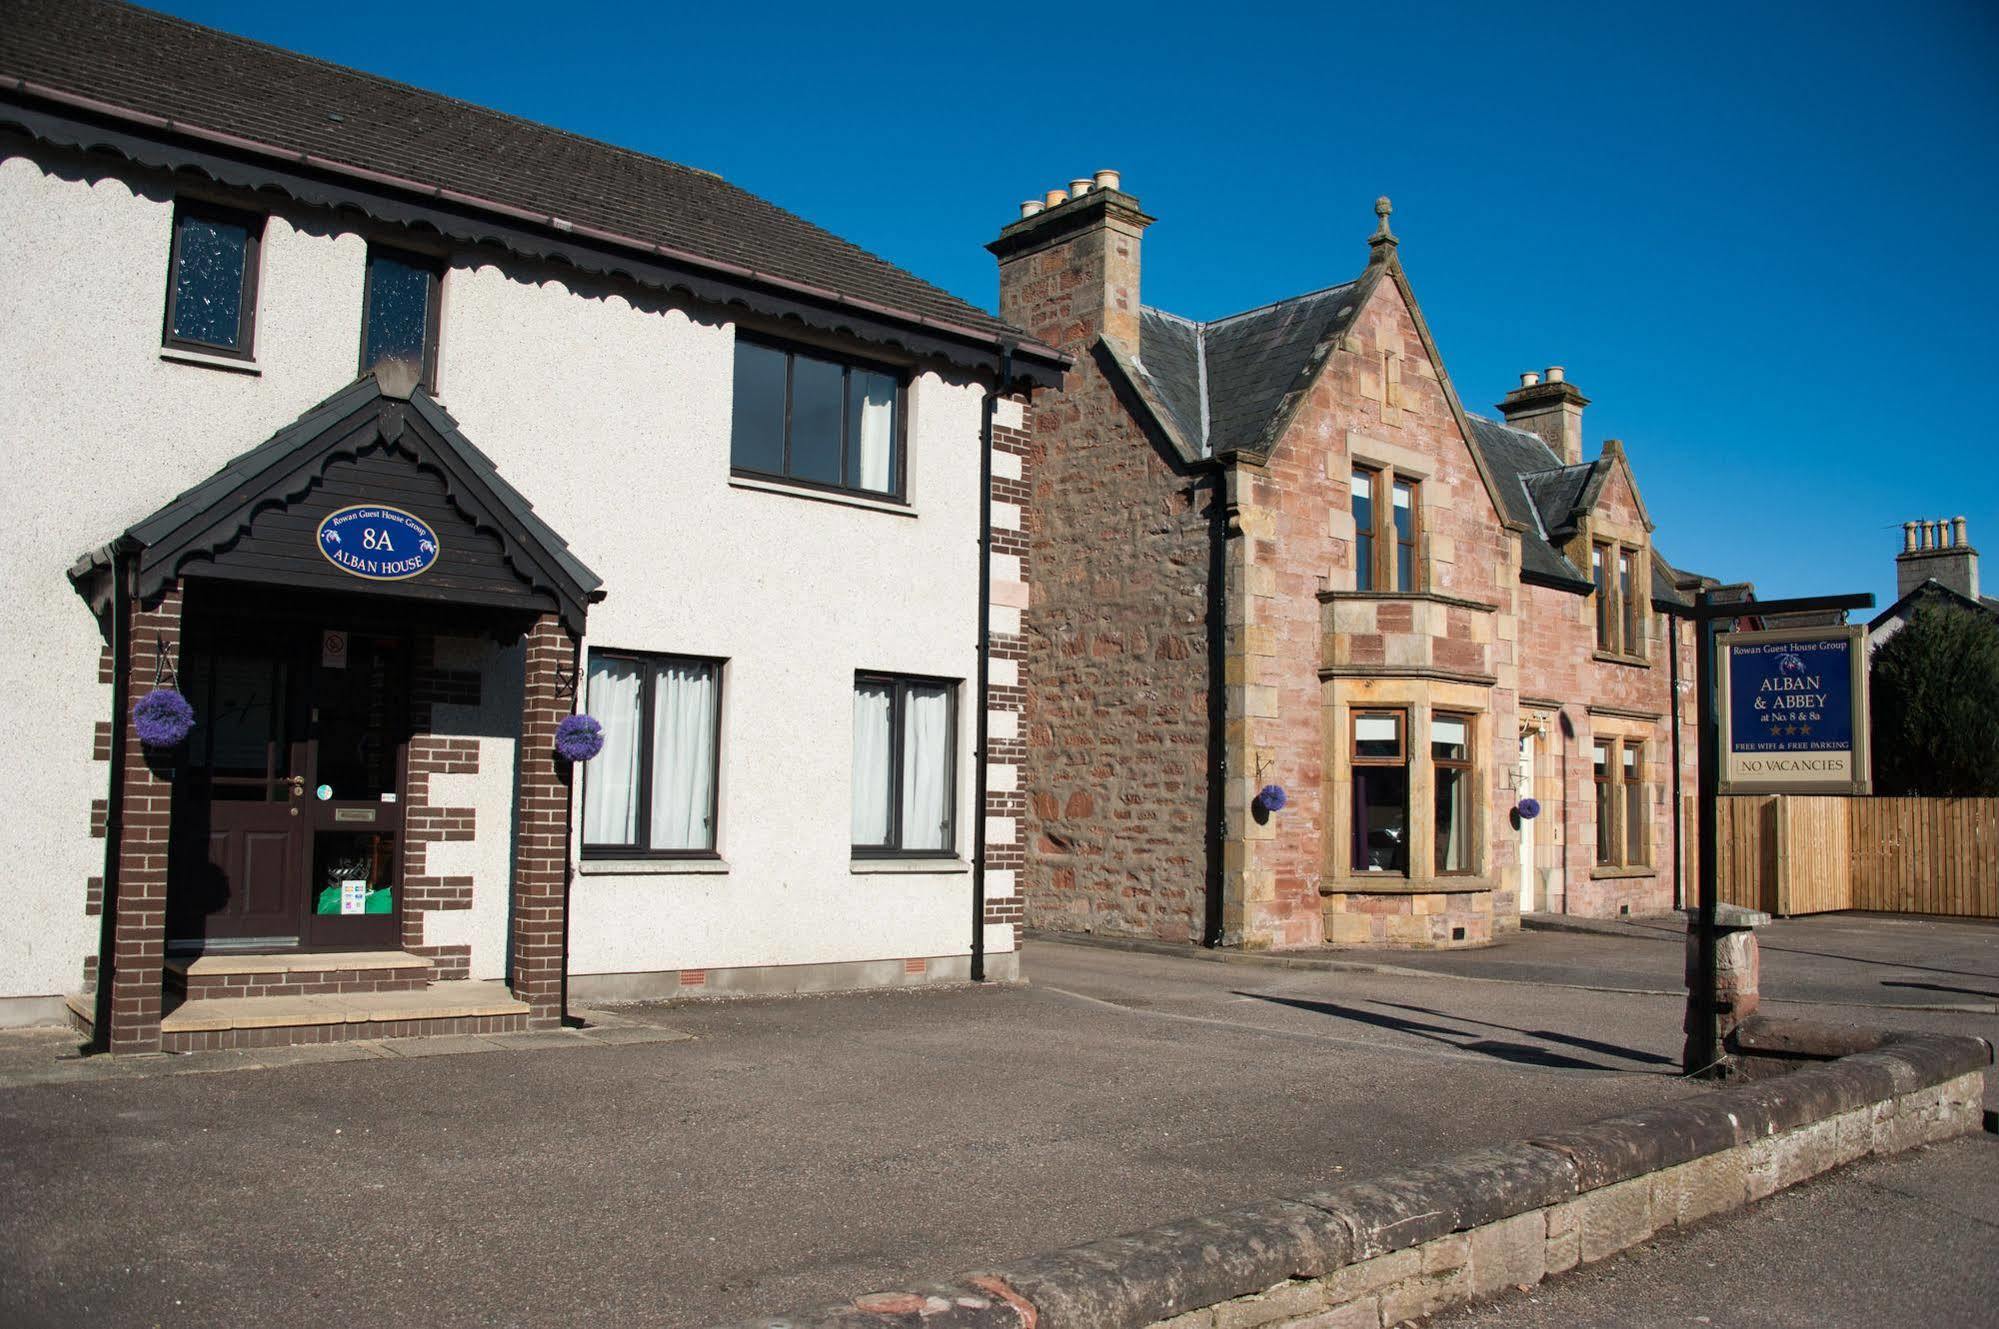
1030 206
1908 537
1958 524
1554 373
1109 180
1929 535
1529 379
1078 188
1054 196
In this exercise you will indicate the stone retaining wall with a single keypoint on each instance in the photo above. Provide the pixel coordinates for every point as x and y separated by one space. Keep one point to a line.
1382 1252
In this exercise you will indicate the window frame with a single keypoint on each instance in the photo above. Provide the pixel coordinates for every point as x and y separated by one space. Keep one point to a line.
848 363
253 224
1619 604
1357 852
1614 852
901 683
1468 765
1386 544
649 661
433 266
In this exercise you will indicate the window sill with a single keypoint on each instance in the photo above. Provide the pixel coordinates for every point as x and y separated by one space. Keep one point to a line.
179 356
862 867
652 867
1601 873
763 486
1613 657
1386 884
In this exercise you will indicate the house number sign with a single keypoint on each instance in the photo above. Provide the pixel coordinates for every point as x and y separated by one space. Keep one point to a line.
378 543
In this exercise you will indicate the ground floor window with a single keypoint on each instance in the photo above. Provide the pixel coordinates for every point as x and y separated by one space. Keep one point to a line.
1451 756
1380 792
652 790
905 747
1623 833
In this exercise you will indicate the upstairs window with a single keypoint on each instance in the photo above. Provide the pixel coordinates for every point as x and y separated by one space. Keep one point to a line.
399 313
1385 520
212 280
1620 605
815 420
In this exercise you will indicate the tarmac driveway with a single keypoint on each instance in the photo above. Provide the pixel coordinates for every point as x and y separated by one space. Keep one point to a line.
792 1151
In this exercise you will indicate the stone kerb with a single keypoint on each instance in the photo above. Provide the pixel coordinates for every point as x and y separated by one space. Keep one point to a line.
1379 1253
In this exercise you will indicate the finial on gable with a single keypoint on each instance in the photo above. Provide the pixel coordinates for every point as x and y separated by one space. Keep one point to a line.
1382 235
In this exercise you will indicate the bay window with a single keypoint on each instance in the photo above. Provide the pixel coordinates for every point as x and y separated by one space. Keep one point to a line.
1451 758
905 759
1380 768
651 792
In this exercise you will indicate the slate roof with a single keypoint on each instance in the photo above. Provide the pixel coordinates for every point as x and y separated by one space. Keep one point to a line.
152 63
1226 381
1539 493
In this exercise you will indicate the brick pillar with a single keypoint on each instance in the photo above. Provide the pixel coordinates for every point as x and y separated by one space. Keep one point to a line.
144 818
541 826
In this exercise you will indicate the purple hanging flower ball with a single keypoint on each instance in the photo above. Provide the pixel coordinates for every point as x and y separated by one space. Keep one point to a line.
578 738
163 718
1271 798
1530 808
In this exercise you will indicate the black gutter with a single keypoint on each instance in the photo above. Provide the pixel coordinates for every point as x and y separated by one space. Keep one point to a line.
1679 849
983 722
114 817
1218 751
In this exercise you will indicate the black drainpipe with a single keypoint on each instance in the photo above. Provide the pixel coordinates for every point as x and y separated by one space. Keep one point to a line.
985 667
1673 669
1218 752
114 819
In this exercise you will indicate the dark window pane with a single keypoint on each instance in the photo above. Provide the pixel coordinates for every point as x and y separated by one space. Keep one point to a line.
756 439
1363 563
816 388
1380 819
1405 536
398 312
208 282
1363 525
1601 576
871 461
1405 567
1636 841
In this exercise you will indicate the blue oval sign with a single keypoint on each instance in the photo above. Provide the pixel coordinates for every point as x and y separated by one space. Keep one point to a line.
381 544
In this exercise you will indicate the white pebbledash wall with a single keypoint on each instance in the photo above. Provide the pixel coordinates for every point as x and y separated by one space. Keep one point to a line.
611 413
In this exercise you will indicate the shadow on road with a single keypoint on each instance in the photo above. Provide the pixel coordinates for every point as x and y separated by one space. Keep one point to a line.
1938 987
1463 1040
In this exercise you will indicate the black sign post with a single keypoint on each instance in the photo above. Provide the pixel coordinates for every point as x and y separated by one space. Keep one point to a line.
1707 616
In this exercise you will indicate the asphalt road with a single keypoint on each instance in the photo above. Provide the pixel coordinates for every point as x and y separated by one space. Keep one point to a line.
792 1151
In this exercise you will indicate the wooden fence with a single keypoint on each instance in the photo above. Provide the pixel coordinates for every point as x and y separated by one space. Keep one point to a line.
1791 854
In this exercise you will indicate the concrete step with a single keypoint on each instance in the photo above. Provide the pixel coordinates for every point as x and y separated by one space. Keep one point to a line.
295 974
460 1007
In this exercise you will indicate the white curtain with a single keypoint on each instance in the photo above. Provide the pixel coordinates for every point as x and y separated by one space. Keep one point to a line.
926 769
873 707
683 755
874 437
610 785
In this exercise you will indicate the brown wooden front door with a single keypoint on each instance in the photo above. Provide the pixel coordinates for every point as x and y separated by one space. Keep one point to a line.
234 874
287 821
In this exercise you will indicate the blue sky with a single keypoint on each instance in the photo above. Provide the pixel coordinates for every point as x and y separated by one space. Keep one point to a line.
1761 239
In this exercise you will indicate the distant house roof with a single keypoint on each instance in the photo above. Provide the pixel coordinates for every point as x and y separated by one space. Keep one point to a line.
1226 381
1930 589
247 102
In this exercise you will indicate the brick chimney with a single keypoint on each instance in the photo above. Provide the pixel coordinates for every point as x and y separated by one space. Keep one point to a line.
1069 265
1549 405
1938 550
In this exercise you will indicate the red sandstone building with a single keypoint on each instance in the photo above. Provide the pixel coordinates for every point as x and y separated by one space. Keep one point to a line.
1273 552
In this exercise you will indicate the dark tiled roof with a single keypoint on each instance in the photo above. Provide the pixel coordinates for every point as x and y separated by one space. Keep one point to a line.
1518 460
1228 380
152 63
1558 495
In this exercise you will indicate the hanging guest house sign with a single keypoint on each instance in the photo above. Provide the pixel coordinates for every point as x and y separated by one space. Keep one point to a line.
378 543
1796 708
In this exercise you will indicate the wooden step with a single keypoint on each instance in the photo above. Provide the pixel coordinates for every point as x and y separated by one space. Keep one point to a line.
295 974
459 1007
